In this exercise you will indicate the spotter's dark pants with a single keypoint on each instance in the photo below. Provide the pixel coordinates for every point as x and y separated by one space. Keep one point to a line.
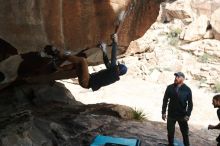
171 122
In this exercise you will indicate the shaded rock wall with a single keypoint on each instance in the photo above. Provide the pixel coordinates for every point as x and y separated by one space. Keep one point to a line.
31 24
48 115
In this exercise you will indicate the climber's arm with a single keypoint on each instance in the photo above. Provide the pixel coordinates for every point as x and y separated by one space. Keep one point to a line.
114 49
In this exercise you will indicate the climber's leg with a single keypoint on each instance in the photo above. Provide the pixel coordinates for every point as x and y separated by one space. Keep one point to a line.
81 67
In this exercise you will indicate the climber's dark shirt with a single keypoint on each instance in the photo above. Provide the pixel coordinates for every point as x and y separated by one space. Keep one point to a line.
104 77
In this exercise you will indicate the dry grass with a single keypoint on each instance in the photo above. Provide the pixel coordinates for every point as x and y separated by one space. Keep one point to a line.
139 115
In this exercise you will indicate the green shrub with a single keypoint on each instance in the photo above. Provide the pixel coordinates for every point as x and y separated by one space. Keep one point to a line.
138 114
204 58
173 36
217 87
167 69
174 41
203 80
174 33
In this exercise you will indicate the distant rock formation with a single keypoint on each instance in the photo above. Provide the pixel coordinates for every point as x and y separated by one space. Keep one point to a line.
202 17
215 23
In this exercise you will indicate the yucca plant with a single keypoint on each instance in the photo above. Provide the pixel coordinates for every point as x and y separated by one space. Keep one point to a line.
139 115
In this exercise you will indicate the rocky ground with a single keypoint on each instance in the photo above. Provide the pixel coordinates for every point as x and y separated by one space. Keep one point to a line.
45 115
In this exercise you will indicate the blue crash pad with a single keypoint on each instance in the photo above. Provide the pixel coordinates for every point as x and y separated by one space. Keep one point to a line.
178 142
101 140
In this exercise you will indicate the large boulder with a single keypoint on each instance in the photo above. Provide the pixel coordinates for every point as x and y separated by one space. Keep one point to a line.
37 94
48 115
201 47
196 30
73 24
215 22
197 12
178 10
203 7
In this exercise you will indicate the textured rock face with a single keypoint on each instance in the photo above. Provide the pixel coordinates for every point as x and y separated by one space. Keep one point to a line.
203 17
178 10
208 46
215 22
49 115
211 9
196 30
204 7
31 24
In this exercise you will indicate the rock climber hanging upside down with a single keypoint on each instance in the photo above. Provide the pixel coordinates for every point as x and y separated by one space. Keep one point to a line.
51 64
